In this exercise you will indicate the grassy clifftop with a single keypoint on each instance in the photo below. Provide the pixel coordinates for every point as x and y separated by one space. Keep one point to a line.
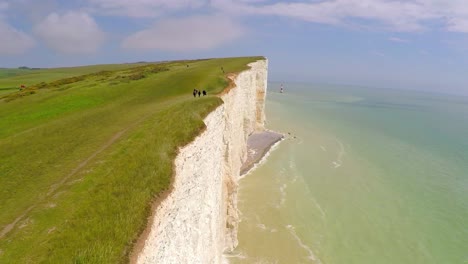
12 79
82 156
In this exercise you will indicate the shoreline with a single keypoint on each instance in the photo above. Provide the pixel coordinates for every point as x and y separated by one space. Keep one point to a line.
198 219
258 146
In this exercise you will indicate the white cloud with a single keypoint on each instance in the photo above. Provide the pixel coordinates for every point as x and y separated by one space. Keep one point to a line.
394 15
186 34
458 25
13 41
143 8
423 52
399 40
378 53
253 1
3 5
33 10
73 32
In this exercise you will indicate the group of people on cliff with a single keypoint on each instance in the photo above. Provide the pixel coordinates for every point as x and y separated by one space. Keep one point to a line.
198 92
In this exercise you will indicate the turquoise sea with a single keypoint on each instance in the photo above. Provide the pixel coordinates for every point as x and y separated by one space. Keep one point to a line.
366 176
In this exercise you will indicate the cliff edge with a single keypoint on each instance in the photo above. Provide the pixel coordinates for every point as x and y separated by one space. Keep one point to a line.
198 220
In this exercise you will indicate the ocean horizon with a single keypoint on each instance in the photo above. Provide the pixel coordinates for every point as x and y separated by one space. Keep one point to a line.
364 176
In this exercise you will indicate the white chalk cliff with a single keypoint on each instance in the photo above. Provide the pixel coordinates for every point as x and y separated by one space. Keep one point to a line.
198 220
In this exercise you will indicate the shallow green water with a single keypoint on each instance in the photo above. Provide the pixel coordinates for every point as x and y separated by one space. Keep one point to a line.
373 176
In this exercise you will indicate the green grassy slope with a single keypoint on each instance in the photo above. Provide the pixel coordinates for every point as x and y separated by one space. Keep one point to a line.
80 162
12 79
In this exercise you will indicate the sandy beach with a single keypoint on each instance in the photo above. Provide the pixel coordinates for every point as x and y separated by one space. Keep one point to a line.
258 144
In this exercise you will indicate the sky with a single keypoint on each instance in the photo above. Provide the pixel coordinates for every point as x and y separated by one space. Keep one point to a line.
407 44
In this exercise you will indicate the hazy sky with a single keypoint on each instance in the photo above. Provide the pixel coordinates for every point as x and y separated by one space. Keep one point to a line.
415 44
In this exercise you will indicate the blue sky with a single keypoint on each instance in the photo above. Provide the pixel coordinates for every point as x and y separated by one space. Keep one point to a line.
412 44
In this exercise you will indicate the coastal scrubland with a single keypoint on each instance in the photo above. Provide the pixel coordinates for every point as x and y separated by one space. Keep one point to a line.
85 151
12 79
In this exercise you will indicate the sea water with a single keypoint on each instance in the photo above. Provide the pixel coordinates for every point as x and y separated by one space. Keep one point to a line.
364 176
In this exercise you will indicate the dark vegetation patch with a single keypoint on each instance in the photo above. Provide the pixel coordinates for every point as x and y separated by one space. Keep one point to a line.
28 68
5 73
123 76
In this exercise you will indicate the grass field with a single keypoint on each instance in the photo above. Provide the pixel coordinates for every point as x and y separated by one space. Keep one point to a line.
84 151
12 79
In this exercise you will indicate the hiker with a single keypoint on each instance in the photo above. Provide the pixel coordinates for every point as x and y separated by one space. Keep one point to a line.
199 93
222 69
204 92
195 91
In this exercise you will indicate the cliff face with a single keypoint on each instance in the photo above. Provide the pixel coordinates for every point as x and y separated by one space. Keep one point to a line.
199 218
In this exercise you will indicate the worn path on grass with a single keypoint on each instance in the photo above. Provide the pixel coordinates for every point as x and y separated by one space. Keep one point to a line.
53 188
